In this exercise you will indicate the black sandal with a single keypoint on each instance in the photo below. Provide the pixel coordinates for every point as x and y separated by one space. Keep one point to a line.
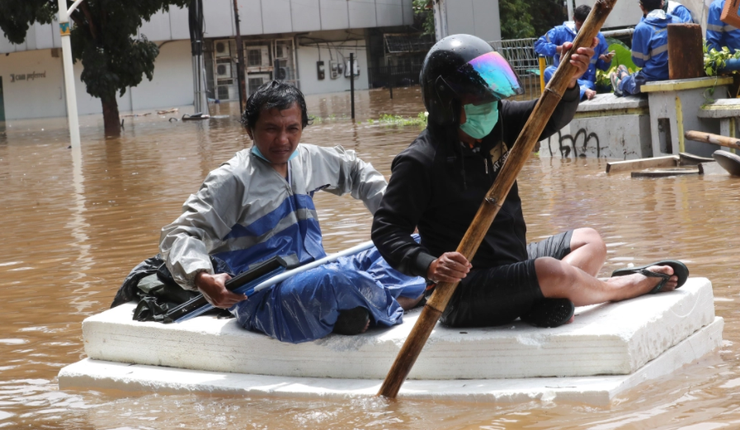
679 270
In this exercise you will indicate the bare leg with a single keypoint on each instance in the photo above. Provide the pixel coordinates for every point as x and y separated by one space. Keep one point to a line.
408 303
559 279
587 251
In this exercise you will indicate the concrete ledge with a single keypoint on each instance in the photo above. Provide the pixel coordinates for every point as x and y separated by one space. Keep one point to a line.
685 84
609 102
614 338
597 390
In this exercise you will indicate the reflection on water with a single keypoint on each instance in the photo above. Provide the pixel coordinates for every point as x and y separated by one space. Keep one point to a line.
74 225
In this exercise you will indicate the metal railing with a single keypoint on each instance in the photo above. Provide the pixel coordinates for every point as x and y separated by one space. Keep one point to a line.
520 54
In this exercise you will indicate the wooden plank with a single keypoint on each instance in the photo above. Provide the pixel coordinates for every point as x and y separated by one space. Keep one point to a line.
642 163
685 51
714 139
662 173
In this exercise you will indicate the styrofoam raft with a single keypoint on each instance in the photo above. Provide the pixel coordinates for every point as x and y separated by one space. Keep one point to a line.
597 390
608 339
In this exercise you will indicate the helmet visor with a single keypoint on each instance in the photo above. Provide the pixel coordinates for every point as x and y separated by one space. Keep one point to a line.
487 78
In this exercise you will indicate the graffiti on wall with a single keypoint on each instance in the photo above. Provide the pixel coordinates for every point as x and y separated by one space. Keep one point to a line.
576 145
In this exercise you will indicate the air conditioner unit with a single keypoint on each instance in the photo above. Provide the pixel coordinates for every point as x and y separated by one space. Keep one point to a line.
222 49
223 70
283 74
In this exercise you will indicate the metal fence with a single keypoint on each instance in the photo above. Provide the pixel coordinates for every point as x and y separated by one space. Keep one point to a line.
520 54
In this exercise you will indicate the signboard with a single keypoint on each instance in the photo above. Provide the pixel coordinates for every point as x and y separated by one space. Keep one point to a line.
27 76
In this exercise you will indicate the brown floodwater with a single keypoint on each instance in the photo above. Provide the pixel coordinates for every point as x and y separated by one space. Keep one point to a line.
72 229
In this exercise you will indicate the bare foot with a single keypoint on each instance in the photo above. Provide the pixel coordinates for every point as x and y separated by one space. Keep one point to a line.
589 94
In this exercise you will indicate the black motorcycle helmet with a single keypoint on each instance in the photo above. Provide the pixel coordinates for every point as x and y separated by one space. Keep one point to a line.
461 65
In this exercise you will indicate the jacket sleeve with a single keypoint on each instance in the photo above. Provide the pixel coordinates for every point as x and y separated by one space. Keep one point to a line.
641 45
683 14
339 171
715 27
207 216
602 48
515 114
407 195
546 45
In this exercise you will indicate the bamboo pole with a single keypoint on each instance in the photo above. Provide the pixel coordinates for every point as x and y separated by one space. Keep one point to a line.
714 139
492 202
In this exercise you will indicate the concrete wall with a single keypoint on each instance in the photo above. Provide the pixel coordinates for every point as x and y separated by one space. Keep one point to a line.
43 96
48 91
478 17
257 17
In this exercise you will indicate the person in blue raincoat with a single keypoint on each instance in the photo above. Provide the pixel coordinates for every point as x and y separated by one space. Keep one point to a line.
551 45
681 12
259 205
720 34
649 50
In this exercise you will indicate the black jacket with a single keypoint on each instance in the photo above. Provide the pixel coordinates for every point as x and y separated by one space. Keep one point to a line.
438 184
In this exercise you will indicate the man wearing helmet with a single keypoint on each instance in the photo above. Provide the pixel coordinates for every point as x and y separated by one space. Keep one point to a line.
439 181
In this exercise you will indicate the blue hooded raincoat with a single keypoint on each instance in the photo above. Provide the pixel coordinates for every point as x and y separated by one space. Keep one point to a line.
547 44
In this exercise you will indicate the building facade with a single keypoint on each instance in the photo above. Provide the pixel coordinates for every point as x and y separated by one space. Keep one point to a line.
307 42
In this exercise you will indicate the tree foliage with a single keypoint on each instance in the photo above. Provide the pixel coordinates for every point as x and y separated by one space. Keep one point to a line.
529 18
104 38
424 12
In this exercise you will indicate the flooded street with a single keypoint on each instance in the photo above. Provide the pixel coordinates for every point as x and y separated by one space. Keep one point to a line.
71 233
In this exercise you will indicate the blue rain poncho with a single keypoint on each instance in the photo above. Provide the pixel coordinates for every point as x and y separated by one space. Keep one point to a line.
245 213
547 45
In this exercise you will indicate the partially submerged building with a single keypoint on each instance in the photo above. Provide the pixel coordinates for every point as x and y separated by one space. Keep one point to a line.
307 42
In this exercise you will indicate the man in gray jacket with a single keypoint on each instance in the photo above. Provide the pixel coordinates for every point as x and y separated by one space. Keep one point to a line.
259 205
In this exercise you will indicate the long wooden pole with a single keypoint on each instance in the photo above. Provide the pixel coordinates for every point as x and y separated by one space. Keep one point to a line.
494 199
715 139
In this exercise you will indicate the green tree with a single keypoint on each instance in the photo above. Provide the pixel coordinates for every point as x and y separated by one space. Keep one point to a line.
531 18
423 9
104 38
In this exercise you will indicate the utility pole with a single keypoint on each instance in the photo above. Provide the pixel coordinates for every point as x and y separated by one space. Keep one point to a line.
69 77
240 62
352 82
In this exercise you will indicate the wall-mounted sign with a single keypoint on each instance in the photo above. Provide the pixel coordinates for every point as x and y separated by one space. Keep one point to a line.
27 76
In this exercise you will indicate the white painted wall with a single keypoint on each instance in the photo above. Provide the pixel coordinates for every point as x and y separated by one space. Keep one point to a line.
262 17
477 17
309 55
46 93
173 79
171 86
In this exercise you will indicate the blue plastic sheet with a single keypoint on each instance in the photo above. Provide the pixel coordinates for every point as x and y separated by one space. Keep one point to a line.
306 306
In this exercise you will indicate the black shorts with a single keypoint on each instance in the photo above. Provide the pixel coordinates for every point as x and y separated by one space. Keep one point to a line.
501 294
